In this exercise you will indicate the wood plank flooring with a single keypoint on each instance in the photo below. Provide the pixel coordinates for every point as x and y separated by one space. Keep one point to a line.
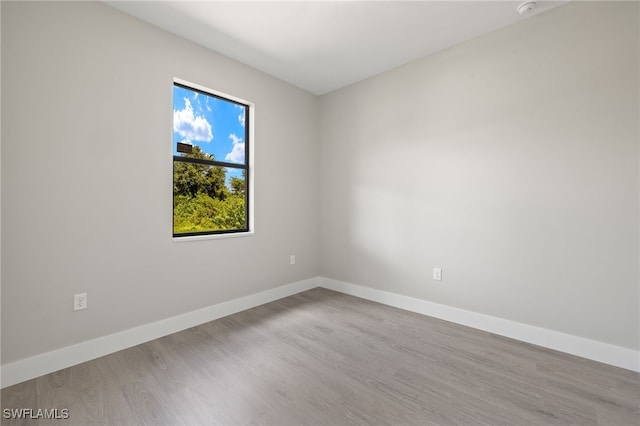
325 358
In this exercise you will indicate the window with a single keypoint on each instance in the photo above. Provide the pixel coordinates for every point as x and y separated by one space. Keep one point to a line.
210 163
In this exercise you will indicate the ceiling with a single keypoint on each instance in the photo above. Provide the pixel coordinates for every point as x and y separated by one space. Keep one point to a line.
321 46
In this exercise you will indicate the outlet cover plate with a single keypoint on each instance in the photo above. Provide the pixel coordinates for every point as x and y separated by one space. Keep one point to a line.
437 274
79 301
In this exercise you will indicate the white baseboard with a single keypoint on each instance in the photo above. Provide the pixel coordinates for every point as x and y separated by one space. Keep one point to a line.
29 368
575 345
49 362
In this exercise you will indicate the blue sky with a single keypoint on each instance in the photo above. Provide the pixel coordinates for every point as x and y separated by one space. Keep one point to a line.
213 124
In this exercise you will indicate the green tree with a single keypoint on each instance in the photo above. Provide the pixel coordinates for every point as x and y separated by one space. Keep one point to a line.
238 184
202 201
192 178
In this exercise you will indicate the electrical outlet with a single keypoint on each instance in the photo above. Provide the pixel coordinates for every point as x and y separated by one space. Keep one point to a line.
292 259
437 274
79 301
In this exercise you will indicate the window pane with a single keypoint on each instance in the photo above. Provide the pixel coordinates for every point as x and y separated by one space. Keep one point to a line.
208 131
208 125
208 198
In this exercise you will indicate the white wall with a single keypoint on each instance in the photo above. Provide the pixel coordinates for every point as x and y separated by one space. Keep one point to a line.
510 161
525 194
86 178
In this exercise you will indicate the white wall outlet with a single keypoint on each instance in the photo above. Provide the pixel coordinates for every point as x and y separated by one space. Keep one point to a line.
437 274
79 301
292 259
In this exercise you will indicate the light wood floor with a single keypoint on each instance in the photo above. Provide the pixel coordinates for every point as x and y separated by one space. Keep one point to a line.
324 358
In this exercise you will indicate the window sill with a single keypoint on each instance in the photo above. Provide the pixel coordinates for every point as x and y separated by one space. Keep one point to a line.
212 237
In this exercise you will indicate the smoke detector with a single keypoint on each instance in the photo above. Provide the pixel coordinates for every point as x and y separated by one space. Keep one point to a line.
527 8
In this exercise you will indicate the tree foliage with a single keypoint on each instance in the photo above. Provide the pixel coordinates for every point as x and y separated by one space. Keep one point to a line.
238 184
201 199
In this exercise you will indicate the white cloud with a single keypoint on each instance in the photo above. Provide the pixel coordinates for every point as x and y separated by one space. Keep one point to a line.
237 152
241 116
190 126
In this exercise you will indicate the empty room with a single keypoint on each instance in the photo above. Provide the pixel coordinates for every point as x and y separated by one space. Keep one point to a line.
320 213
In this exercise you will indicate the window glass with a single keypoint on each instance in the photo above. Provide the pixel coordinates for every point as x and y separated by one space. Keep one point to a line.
210 163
